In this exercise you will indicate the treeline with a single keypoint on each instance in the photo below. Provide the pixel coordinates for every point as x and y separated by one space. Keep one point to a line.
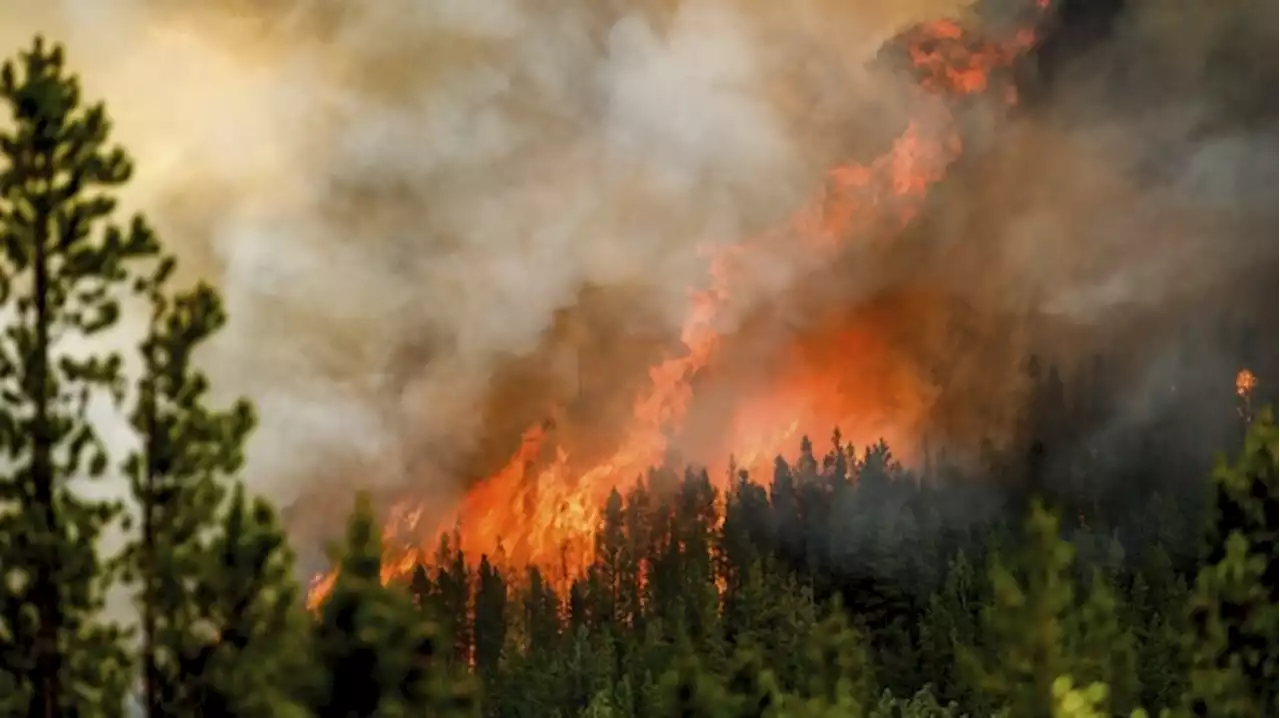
845 586
842 585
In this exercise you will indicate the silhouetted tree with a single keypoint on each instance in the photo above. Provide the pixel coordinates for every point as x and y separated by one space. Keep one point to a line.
377 655
65 272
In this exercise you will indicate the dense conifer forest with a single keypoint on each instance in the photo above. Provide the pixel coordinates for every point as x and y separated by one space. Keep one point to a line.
1056 578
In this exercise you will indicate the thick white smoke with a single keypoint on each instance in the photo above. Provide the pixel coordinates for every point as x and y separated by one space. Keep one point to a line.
396 198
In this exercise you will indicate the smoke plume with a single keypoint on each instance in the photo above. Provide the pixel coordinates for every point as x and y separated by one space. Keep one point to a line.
434 222
1129 210
401 201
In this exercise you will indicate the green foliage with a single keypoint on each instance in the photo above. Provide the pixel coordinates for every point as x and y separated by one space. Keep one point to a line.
1233 614
234 645
1037 629
1155 611
950 620
1011 636
1105 648
838 666
690 691
1025 627
921 705
377 655
216 592
1072 702
64 273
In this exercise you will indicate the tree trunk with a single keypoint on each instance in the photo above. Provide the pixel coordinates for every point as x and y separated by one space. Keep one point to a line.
45 589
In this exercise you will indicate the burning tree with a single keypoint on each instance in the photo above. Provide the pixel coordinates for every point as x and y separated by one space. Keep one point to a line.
379 656
542 512
1246 382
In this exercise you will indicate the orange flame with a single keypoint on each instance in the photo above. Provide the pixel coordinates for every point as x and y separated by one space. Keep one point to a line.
1245 383
548 518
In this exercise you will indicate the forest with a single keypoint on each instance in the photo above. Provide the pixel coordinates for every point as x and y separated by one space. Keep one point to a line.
1057 578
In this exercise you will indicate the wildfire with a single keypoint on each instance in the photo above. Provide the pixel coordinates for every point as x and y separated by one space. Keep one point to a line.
1245 383
540 511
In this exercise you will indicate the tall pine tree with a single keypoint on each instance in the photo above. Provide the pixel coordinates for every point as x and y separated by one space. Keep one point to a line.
216 594
1025 629
1232 644
64 272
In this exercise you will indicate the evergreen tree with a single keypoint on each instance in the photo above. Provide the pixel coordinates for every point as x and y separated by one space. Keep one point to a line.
491 618
64 274
694 521
216 592
1104 647
950 620
610 554
1232 645
377 655
752 690
839 670
690 691
1025 627
237 645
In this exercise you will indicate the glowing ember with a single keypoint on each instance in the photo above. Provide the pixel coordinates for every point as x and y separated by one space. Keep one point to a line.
1245 383
546 515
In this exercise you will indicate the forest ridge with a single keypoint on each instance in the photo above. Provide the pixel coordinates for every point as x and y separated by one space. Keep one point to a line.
841 585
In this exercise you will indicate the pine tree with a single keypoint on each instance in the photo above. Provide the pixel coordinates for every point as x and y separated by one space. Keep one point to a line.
1157 598
450 598
695 518
751 691
1232 645
377 655
491 618
688 690
839 670
1026 626
65 273
950 620
1104 647
240 641
215 591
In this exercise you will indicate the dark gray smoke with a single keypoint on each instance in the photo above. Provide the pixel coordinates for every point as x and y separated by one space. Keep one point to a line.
1128 210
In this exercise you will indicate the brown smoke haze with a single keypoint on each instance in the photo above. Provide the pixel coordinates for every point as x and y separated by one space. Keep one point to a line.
399 198
1131 209
432 222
